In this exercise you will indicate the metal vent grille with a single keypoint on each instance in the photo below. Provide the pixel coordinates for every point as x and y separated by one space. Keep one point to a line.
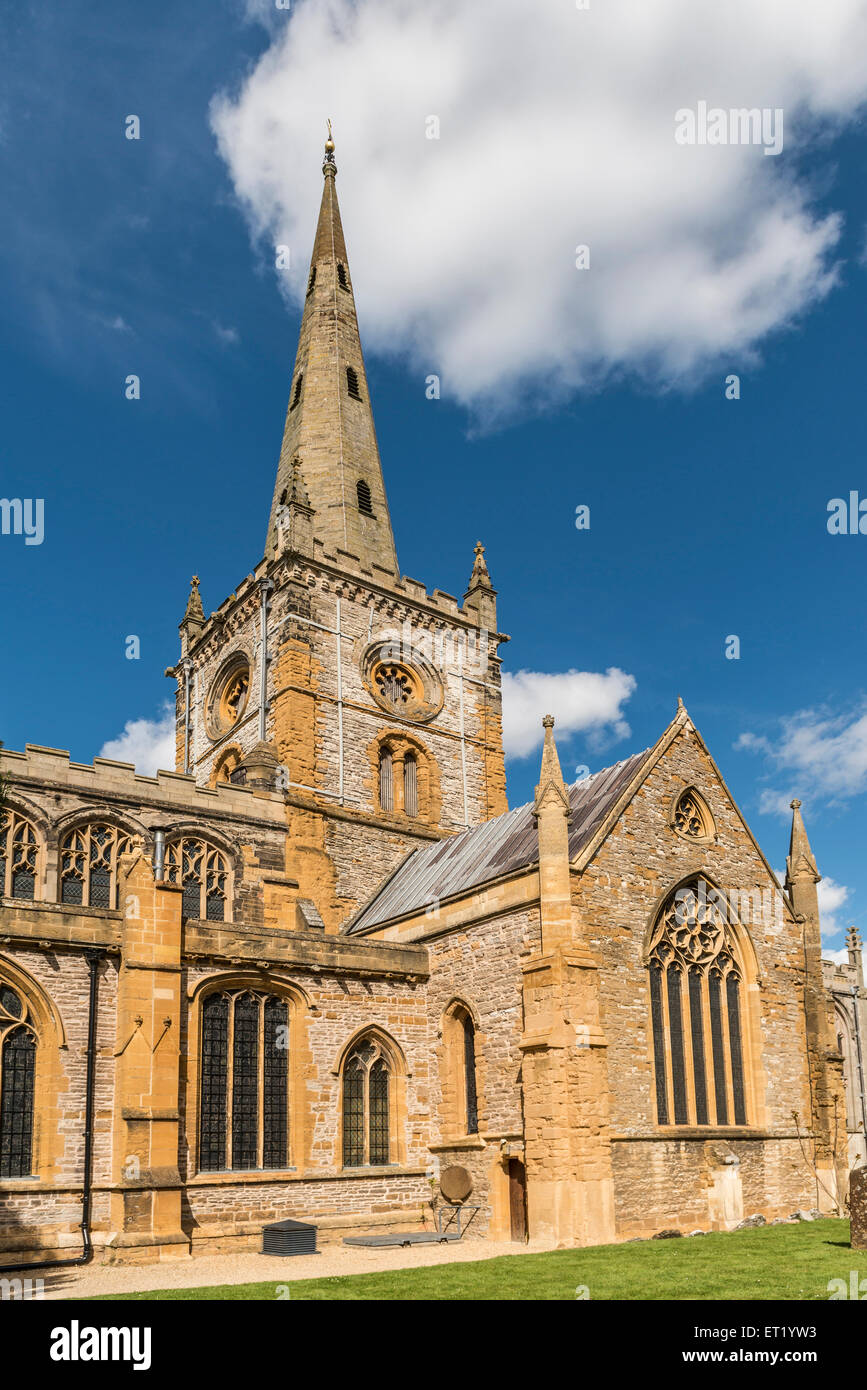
289 1238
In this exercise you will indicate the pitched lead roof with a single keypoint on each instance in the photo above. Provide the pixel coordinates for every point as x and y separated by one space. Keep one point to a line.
485 852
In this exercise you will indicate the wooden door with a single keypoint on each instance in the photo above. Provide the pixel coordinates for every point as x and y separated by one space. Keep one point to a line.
518 1199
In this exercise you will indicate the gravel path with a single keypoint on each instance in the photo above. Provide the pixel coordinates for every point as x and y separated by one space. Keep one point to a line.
208 1270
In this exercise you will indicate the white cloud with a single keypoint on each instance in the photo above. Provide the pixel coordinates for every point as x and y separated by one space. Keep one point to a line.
556 129
820 754
225 334
832 896
149 743
585 702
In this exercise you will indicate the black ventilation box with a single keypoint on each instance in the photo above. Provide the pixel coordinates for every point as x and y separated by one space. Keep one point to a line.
289 1238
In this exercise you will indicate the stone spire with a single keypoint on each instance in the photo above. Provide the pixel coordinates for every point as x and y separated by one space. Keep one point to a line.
329 422
551 784
853 946
552 812
294 515
481 596
800 864
194 617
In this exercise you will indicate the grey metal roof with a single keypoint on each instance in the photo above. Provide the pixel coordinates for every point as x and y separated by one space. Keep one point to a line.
502 846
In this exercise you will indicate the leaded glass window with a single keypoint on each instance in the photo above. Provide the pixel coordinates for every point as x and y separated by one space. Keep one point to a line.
19 856
88 864
18 1045
203 873
696 1012
470 1076
244 1094
366 1107
692 817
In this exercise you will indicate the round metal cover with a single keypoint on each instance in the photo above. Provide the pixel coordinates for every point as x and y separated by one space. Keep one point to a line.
456 1184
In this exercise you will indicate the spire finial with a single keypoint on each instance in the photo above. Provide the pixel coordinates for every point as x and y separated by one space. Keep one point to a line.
194 612
329 153
548 721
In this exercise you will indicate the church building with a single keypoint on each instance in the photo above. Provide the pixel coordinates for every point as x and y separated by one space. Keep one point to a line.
321 972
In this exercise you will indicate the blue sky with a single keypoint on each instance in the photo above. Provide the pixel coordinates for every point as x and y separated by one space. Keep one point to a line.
708 516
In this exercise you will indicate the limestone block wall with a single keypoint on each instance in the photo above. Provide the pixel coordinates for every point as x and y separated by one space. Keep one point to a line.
329 1011
57 795
617 897
481 967
44 1211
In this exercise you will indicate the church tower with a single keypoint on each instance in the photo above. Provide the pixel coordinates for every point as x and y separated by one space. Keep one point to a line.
372 704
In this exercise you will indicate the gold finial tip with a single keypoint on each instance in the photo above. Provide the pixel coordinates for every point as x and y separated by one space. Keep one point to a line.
329 143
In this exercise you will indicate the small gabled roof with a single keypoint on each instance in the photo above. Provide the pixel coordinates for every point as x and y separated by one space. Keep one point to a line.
506 845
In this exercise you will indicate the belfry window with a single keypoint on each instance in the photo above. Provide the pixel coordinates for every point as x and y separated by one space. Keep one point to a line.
244 1090
203 873
365 501
365 1107
312 281
352 383
17 1085
696 1011
410 784
88 865
19 856
296 395
386 780
341 276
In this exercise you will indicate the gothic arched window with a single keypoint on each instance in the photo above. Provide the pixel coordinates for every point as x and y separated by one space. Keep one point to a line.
458 1072
244 1088
88 864
203 872
366 1140
17 1085
691 816
470 1075
696 1010
386 780
410 784
341 276
19 856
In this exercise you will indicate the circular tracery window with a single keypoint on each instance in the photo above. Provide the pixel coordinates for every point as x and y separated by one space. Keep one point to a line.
229 695
405 685
395 685
234 699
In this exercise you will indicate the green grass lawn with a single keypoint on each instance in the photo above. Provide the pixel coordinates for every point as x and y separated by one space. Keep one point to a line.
772 1262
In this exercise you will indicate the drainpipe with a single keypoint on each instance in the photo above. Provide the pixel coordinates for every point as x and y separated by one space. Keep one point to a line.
855 1009
93 957
339 710
159 856
187 666
265 589
463 731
